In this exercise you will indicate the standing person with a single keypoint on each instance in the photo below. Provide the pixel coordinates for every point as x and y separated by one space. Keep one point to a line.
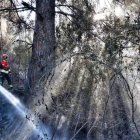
5 71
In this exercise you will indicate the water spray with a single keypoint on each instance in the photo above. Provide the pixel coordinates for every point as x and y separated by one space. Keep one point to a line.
34 123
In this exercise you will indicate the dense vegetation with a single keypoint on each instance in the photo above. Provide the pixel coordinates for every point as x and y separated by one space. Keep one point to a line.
81 73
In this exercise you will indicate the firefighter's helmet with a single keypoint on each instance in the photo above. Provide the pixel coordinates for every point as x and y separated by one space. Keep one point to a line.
4 56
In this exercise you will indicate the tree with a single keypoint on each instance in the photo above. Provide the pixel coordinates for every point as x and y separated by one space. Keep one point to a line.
43 48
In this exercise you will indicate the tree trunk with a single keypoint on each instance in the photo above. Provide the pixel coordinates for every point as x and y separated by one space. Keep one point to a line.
43 48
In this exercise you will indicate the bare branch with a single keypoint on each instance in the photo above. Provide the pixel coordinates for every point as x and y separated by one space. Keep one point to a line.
24 42
63 13
14 9
69 6
79 130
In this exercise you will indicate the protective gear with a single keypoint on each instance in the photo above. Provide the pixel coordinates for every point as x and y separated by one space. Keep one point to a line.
10 87
4 56
5 65
5 70
6 76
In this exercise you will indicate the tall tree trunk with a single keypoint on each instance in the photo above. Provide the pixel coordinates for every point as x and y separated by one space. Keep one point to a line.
43 49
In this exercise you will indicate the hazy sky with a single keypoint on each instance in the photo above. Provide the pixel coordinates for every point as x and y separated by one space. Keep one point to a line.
105 7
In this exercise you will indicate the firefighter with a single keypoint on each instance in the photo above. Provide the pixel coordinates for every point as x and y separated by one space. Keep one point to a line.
5 71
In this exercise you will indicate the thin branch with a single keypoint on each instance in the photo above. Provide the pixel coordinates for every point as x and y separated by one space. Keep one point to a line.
14 9
64 13
79 130
108 96
55 130
69 6
24 42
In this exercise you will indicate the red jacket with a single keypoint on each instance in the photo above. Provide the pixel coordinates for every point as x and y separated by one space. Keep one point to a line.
4 65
